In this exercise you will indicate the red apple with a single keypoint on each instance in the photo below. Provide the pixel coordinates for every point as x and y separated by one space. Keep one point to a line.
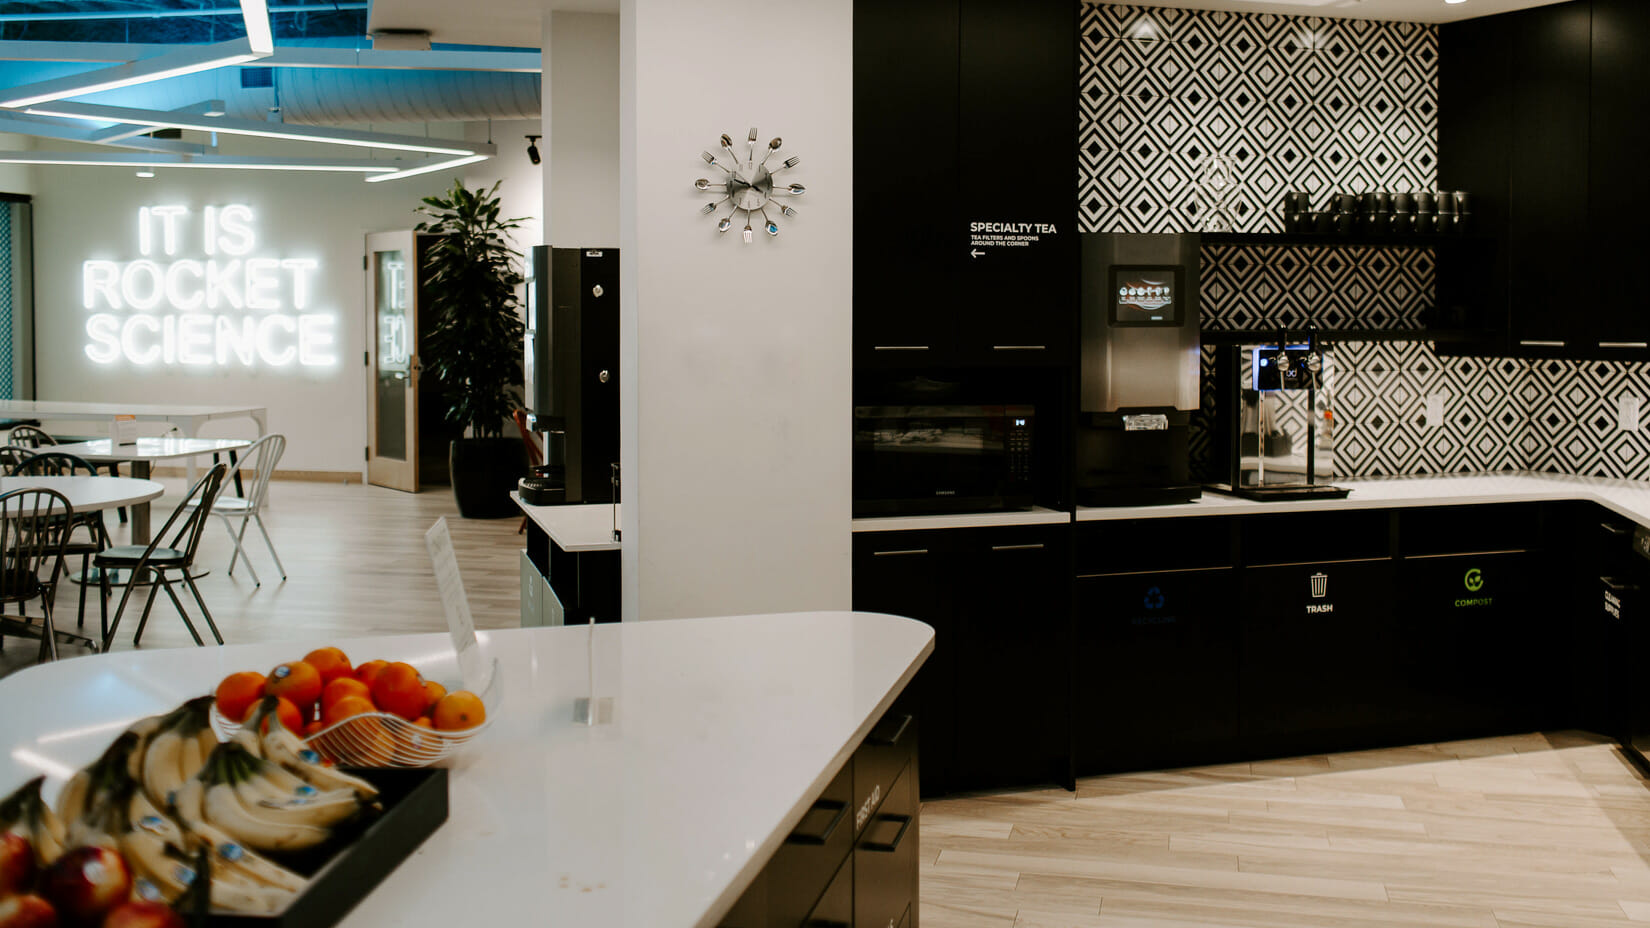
143 914
16 864
27 912
87 882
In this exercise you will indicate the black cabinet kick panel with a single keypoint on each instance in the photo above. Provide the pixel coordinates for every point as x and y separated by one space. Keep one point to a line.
1114 645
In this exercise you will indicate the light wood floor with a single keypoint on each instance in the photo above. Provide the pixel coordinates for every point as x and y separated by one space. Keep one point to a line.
356 566
1549 830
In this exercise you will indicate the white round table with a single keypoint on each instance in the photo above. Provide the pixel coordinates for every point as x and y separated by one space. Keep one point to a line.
90 494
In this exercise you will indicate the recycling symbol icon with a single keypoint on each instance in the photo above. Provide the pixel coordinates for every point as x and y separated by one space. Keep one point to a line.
1154 598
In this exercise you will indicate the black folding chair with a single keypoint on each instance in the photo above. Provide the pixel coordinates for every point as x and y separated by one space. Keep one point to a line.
159 562
34 524
62 464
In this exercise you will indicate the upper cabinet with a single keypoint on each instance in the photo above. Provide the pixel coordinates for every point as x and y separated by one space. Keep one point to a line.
1540 118
965 212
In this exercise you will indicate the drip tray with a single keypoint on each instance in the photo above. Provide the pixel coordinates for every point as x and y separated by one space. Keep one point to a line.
1283 492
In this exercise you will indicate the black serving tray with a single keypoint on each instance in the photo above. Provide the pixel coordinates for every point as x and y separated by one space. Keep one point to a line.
414 806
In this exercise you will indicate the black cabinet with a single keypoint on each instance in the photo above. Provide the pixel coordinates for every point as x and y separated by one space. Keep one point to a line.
1618 197
950 98
993 698
1156 675
1540 117
885 858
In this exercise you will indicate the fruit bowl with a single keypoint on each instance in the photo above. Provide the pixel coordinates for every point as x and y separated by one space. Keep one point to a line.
382 739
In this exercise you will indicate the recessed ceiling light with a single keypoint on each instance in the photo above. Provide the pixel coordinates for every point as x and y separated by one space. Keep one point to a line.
1452 2
146 173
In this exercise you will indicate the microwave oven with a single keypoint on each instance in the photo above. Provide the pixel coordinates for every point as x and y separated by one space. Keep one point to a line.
942 458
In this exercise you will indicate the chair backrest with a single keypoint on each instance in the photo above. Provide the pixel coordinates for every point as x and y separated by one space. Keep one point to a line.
262 456
34 524
13 455
196 505
54 464
30 436
535 457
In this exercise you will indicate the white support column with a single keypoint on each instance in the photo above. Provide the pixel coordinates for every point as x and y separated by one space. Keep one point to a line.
736 424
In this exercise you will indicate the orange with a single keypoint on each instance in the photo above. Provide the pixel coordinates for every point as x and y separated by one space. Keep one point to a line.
239 692
369 671
346 707
458 711
400 690
331 662
371 744
297 681
288 715
313 728
341 687
433 692
423 721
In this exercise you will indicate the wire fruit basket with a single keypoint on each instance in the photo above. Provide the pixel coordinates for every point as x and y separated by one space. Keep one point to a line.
382 739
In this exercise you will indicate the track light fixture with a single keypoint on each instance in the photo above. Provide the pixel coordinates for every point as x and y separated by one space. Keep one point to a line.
533 148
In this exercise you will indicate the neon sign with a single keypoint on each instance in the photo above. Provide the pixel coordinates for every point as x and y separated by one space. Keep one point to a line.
225 308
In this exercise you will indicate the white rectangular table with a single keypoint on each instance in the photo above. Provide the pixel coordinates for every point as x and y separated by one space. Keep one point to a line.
188 419
142 456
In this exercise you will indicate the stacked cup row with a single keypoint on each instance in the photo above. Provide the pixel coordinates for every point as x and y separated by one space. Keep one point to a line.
1379 213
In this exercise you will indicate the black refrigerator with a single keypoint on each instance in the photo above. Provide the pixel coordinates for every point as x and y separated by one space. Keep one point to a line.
572 365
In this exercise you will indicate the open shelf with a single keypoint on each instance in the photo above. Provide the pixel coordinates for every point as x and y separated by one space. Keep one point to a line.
1360 240
1267 335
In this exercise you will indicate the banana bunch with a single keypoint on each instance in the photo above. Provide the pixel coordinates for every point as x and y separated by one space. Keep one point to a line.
166 791
25 813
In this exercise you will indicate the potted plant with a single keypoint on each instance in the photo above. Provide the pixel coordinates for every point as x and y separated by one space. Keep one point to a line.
474 344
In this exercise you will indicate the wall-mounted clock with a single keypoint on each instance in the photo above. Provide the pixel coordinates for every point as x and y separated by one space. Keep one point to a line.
748 185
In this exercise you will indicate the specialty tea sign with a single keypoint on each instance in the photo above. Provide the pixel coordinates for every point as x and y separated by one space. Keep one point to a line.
202 293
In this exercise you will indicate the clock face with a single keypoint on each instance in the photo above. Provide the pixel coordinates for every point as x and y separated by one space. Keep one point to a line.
746 184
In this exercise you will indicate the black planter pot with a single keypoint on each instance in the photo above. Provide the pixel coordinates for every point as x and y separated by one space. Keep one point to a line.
484 471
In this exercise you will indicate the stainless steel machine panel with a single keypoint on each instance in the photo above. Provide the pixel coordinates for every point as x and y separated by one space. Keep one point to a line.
1138 365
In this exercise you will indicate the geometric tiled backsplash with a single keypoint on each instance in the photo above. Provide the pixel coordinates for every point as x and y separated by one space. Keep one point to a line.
1326 286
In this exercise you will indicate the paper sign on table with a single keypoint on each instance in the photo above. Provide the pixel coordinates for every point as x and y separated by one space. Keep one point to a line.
123 430
460 623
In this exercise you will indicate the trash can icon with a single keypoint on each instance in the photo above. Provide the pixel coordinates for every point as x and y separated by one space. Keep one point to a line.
1320 585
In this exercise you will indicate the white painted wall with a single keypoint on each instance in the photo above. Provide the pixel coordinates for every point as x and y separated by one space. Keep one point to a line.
16 178
581 114
83 213
736 429
521 183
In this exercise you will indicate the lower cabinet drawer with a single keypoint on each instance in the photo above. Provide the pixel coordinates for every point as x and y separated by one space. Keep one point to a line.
885 858
836 907
812 853
884 753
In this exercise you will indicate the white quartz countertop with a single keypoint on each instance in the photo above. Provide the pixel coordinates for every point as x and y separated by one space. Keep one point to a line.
1630 498
1035 516
576 527
723 731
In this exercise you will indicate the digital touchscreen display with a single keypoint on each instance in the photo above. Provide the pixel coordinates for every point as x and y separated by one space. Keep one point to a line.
1148 296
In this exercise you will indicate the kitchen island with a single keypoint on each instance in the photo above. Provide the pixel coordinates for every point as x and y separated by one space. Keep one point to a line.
716 736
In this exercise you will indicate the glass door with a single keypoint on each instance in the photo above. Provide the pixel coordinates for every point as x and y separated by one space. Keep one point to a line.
392 361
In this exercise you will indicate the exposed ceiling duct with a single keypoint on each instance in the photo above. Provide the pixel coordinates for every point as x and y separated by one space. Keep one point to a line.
322 96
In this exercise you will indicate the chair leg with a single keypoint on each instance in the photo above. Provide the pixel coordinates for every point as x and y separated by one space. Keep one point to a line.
148 604
201 601
178 604
269 544
85 563
240 548
103 606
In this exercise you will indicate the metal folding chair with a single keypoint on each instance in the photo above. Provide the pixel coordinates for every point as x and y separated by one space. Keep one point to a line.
159 562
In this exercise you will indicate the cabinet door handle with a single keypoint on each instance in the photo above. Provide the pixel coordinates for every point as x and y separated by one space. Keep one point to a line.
1035 547
874 738
1624 344
1539 343
1019 347
1618 586
1614 529
825 923
798 837
889 847
899 348
899 552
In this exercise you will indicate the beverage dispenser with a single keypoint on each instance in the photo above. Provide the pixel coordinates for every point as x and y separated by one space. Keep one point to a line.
1139 376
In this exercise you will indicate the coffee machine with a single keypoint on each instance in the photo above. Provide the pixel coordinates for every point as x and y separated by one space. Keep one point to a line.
1275 418
571 369
1139 368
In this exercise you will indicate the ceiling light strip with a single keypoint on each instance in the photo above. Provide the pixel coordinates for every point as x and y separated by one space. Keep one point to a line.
227 126
172 64
259 34
221 162
427 169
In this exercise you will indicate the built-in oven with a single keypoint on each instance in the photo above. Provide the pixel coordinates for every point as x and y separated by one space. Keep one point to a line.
942 458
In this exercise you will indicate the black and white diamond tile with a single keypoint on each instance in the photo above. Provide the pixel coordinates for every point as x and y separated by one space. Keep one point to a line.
1329 286
1298 103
